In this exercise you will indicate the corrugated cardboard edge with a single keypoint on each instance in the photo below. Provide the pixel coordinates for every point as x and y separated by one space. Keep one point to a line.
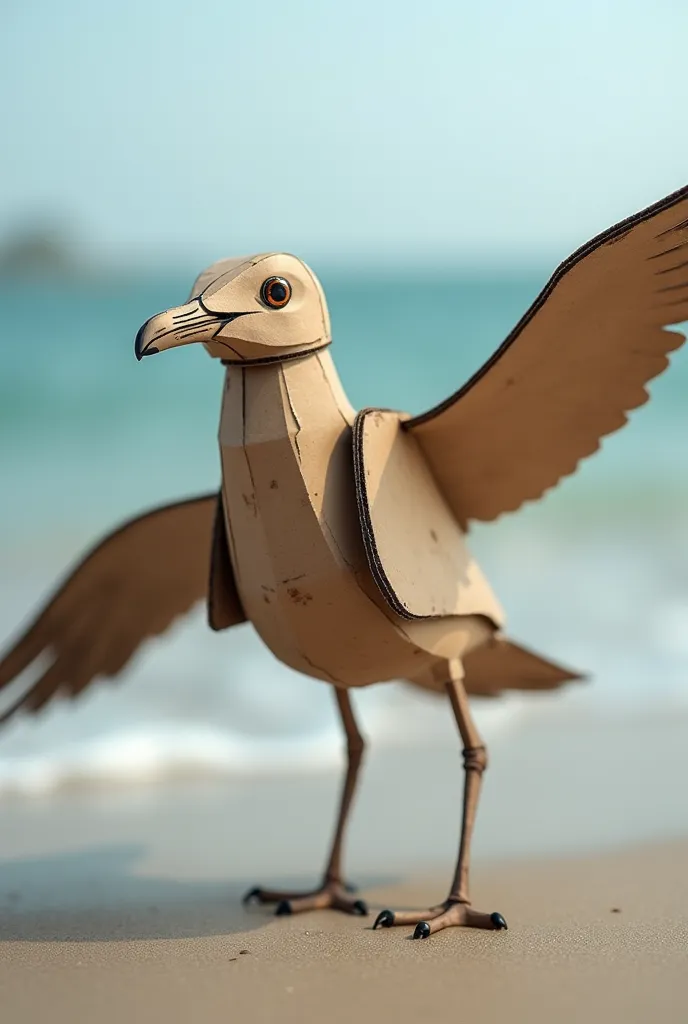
372 554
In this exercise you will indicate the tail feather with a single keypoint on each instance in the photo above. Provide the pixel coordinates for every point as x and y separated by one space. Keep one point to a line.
500 664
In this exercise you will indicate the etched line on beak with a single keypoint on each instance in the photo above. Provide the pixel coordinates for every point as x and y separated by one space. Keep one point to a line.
189 313
172 328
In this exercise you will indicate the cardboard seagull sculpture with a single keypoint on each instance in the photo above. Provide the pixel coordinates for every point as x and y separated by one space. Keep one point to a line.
341 537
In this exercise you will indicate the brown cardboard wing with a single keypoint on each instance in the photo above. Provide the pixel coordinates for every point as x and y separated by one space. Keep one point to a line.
130 587
415 548
569 372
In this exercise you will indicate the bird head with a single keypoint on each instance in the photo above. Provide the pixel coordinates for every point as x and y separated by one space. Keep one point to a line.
255 309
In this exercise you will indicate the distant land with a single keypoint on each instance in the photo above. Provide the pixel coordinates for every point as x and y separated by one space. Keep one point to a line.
48 250
39 250
49 253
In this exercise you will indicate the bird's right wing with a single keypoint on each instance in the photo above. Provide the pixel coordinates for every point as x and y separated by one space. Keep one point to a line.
131 586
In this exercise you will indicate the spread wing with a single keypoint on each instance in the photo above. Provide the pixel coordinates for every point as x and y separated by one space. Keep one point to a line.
129 587
569 372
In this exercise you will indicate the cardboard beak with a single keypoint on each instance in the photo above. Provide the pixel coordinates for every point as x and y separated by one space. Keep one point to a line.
179 326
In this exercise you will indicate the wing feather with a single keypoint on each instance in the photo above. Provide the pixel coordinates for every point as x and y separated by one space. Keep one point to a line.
568 374
130 587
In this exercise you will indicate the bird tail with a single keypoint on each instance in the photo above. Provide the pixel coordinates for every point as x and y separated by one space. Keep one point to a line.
500 664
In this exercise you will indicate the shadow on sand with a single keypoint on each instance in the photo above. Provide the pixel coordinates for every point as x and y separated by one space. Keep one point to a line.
95 894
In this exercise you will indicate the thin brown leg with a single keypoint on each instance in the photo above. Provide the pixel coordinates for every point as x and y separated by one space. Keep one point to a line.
474 763
354 749
332 893
456 909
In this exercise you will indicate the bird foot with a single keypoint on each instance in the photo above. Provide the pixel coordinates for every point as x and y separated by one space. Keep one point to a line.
332 895
449 914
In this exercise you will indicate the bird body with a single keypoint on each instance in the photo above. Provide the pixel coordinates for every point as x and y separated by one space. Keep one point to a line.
341 537
295 539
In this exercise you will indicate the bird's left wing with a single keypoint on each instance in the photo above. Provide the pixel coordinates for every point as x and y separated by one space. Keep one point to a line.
570 370
130 587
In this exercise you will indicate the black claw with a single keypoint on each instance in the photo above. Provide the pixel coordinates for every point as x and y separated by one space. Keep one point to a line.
253 895
385 919
422 930
498 921
360 908
283 908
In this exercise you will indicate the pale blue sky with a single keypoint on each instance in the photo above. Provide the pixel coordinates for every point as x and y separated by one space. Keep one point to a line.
441 130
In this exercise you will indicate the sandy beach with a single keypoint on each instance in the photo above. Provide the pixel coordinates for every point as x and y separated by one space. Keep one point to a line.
589 941
596 939
124 904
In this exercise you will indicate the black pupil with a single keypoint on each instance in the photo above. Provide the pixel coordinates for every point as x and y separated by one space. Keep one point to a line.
278 292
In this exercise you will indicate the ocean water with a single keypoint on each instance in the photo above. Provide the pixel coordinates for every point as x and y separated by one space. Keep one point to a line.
595 576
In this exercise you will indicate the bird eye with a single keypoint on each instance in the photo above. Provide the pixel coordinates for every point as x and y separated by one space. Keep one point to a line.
275 292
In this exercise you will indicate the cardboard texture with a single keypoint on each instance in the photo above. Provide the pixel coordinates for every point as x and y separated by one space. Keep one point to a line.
130 587
341 538
415 547
569 372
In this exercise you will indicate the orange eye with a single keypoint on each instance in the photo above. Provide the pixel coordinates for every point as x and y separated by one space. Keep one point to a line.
275 292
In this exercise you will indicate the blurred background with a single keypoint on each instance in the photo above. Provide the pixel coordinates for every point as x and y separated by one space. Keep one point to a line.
433 163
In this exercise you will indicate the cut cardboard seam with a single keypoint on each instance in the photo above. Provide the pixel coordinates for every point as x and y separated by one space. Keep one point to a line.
335 396
247 460
325 673
286 357
286 396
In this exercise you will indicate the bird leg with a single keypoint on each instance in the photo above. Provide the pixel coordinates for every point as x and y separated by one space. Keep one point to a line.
333 893
456 909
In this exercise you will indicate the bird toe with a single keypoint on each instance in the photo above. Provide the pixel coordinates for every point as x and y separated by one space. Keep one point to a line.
385 919
252 896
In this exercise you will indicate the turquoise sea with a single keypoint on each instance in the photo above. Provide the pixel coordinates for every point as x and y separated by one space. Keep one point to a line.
596 575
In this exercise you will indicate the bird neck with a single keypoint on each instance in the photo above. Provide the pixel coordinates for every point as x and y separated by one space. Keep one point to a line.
293 400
